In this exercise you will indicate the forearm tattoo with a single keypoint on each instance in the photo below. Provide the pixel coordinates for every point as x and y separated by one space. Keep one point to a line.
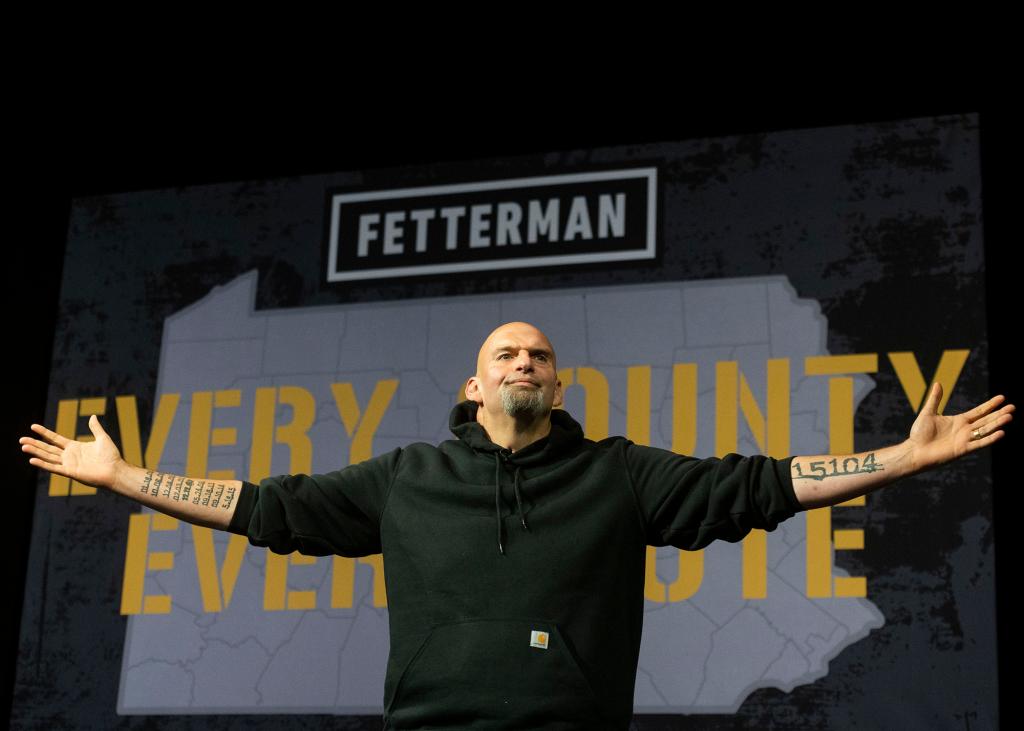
837 467
207 493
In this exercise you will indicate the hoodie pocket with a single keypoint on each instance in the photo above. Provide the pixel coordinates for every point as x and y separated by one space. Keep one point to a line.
494 669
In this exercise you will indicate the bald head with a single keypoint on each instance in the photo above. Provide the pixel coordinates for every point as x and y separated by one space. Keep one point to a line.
512 334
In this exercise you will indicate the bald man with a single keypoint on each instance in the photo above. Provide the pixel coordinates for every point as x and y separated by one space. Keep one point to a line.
515 553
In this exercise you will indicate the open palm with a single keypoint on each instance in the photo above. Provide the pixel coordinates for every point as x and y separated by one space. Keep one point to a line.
938 439
93 463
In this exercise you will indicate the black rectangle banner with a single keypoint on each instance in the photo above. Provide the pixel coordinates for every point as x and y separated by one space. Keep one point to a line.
599 216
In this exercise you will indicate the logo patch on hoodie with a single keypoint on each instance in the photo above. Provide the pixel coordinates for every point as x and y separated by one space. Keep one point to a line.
539 639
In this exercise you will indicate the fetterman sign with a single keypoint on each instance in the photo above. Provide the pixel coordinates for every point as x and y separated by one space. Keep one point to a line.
601 216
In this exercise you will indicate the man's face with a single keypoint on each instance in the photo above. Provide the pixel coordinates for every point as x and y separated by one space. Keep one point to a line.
516 374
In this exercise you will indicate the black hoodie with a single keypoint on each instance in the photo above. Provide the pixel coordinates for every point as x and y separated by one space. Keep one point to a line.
515 580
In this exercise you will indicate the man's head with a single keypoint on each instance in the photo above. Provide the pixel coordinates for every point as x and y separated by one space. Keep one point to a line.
516 374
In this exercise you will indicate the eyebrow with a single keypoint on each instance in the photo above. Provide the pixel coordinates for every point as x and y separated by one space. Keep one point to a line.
515 349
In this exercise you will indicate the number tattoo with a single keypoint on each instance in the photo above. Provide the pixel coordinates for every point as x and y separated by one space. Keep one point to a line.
184 490
849 466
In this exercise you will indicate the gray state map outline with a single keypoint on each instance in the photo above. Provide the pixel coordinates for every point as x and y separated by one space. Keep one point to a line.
703 655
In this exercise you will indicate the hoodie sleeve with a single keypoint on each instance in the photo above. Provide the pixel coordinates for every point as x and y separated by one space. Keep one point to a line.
688 502
318 515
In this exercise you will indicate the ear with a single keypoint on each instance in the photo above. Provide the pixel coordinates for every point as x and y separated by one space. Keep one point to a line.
558 395
472 390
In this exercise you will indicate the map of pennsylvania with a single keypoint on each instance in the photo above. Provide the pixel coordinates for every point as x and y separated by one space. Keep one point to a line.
704 653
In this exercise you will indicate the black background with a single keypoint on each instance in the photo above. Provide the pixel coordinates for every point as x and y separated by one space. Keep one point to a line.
125 144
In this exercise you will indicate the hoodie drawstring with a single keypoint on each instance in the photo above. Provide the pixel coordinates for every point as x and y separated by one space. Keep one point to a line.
497 499
498 457
519 500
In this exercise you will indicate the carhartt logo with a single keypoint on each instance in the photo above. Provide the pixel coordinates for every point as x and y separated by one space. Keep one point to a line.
539 639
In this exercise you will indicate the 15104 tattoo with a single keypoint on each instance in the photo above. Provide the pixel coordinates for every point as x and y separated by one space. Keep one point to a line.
820 469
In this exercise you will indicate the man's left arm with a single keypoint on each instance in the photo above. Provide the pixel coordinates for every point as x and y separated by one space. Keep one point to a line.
934 439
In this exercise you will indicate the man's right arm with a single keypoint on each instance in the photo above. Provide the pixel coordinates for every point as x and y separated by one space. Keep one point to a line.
98 463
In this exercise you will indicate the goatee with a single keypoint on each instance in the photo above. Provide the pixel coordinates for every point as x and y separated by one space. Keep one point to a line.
522 403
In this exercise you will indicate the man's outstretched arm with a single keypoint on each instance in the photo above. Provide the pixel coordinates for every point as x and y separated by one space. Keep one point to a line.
934 440
99 463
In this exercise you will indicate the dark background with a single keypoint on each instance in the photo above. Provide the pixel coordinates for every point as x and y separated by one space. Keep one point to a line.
122 146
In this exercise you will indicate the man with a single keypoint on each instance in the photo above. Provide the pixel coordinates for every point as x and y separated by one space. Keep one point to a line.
515 554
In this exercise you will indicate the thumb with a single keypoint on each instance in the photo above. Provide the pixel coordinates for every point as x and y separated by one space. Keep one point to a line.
931 404
95 428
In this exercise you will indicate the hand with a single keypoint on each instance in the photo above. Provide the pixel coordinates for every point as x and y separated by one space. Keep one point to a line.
937 439
93 463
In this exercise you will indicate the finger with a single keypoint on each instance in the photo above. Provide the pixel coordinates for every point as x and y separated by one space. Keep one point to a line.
50 436
95 428
985 441
49 457
40 445
979 411
931 404
54 468
45 460
1003 416
984 426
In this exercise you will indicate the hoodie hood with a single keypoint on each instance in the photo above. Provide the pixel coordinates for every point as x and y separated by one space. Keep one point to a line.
565 435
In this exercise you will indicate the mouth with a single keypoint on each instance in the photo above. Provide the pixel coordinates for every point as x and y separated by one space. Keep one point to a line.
521 382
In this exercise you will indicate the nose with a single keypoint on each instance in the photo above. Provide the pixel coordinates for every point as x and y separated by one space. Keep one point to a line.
523 361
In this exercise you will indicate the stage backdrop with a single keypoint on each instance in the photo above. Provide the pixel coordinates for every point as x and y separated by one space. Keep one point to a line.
782 293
